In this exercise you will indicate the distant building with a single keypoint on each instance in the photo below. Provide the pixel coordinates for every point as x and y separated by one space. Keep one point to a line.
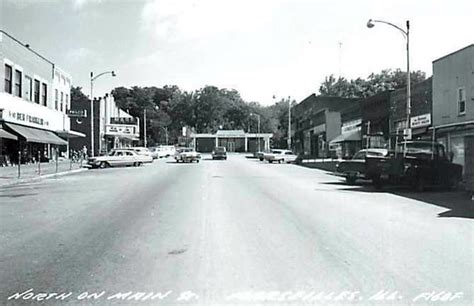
233 140
30 118
453 106
316 122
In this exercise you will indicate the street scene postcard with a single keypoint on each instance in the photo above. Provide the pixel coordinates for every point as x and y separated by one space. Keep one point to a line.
236 152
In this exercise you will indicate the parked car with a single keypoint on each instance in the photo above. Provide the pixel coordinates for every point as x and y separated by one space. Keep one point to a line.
219 153
166 151
119 157
419 164
354 169
280 155
259 154
143 151
187 155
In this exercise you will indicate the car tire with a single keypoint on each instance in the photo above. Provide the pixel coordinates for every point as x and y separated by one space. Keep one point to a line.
104 165
197 160
270 161
261 159
420 184
350 180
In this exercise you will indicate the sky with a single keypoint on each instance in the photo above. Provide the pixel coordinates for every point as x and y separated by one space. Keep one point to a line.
267 50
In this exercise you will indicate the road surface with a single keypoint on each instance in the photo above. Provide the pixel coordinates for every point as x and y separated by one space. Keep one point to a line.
235 231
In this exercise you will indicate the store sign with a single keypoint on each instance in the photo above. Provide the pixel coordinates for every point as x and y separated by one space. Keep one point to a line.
420 121
351 126
75 113
19 111
121 129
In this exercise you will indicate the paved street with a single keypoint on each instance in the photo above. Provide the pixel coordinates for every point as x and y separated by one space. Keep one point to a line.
219 228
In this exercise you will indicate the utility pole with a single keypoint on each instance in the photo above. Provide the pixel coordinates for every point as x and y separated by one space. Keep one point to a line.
144 127
289 123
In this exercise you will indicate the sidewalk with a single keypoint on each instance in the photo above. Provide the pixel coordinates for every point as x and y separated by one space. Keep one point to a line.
31 172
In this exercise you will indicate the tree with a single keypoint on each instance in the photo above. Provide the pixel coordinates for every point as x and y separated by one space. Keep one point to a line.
375 83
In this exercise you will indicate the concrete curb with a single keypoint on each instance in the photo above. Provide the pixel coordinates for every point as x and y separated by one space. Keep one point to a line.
41 177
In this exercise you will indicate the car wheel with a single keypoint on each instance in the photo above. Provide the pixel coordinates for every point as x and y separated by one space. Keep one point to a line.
270 161
139 164
350 180
104 165
261 159
420 184
197 160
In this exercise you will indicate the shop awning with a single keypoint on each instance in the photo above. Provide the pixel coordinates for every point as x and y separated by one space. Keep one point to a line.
348 136
36 135
6 135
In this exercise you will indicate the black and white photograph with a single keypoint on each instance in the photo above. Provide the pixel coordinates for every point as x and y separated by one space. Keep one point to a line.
236 152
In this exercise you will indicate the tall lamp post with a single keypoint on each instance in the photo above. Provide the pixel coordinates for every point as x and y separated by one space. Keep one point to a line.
406 34
93 78
144 125
289 123
258 129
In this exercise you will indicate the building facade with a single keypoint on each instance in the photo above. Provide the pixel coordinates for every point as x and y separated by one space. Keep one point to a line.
113 127
453 105
316 122
420 114
350 140
233 140
28 112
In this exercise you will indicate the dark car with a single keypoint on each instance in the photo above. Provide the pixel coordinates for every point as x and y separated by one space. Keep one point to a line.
219 153
354 169
419 164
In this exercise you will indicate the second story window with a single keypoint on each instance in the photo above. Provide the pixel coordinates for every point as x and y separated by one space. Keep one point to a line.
461 101
56 97
18 81
44 94
66 103
36 93
8 79
62 99
28 88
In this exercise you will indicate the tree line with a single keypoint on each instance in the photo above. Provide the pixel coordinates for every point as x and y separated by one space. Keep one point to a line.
208 109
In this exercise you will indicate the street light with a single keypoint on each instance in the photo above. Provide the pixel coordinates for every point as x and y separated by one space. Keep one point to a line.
406 34
289 123
93 78
258 129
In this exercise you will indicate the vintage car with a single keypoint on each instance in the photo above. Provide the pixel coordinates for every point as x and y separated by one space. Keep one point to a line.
354 169
165 151
187 155
144 151
280 155
219 153
419 164
119 157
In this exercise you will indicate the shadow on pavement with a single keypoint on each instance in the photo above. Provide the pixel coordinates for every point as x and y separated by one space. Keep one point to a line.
459 203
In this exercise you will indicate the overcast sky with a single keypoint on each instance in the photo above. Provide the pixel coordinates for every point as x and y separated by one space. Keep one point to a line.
261 48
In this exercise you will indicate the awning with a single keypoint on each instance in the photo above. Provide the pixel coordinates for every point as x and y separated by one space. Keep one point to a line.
36 135
6 135
70 134
348 136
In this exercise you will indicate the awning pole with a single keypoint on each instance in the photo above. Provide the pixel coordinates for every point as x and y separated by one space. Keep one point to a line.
39 162
19 160
57 152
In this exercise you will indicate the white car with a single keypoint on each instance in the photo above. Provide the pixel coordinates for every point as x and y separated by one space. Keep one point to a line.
280 155
119 157
166 151
143 151
187 155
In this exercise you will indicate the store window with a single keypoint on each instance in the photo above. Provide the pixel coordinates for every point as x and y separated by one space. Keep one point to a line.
44 94
18 83
28 88
462 101
8 79
37 92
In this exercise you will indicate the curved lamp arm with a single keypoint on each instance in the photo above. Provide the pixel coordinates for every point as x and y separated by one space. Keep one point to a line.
370 24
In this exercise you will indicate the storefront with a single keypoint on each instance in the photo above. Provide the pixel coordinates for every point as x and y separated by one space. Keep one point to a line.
349 142
233 140
28 131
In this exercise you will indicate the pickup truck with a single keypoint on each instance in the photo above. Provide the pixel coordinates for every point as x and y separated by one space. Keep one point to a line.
354 168
419 164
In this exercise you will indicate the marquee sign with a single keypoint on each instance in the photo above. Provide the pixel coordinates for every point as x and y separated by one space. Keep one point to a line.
121 129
